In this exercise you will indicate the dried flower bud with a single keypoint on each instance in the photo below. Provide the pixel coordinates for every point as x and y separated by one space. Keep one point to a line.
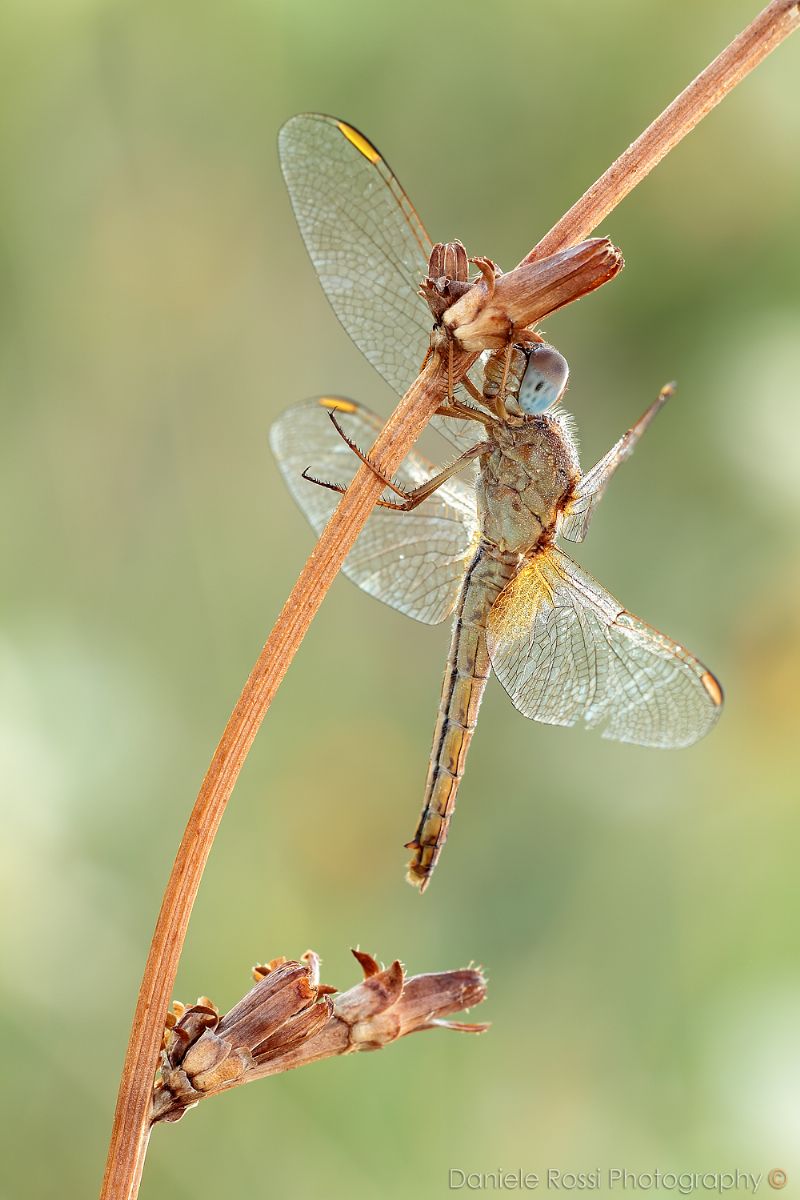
289 1019
490 313
447 279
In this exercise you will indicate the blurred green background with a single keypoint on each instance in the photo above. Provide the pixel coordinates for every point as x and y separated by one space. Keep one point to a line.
635 910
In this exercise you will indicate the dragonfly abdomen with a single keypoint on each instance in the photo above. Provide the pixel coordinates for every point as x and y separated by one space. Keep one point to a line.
465 676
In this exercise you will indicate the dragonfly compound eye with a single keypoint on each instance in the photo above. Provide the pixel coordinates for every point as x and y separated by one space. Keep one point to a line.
544 380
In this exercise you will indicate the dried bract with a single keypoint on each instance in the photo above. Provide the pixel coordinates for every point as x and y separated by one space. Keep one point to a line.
289 1019
493 312
447 279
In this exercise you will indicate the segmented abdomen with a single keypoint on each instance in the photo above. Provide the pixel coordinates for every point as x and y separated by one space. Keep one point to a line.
464 681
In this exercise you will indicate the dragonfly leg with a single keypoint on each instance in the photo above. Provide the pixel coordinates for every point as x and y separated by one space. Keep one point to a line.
341 489
465 412
364 458
471 390
500 398
424 362
456 408
409 500
412 499
332 487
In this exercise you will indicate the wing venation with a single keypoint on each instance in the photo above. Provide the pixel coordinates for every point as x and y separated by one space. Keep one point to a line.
414 561
566 651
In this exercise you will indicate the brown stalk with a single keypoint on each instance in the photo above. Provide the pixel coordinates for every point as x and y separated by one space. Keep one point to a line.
130 1130
131 1125
487 316
289 1020
760 38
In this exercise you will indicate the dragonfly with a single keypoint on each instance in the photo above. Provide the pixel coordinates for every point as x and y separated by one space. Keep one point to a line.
477 541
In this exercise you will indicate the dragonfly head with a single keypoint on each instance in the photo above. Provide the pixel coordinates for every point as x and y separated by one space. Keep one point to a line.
544 380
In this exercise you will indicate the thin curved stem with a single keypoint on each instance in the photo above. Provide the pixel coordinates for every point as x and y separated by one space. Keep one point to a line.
772 26
131 1121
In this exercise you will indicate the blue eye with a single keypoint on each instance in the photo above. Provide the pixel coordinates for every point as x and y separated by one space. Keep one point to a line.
544 380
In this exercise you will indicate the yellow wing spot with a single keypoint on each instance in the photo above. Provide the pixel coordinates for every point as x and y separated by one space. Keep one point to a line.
360 142
516 606
338 404
542 584
712 686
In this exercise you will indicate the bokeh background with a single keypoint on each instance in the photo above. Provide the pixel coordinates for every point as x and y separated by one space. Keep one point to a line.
636 910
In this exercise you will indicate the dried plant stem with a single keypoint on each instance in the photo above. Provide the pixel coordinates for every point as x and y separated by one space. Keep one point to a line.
130 1131
760 38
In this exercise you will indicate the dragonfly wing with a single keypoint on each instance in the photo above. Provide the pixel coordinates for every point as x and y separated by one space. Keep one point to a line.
414 561
462 434
576 518
369 249
573 523
565 651
367 244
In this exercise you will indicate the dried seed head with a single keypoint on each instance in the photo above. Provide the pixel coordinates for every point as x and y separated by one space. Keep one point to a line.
288 1019
447 279
489 317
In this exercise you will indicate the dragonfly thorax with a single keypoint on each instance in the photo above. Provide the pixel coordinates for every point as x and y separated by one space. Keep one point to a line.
526 480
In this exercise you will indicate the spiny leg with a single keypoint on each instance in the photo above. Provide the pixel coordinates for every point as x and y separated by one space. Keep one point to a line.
461 409
453 408
465 412
527 335
452 401
518 337
418 494
409 499
500 398
488 270
414 498
341 489
472 391
385 480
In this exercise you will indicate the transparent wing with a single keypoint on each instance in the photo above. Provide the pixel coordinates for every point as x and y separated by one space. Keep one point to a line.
414 561
565 650
461 434
368 246
366 242
575 520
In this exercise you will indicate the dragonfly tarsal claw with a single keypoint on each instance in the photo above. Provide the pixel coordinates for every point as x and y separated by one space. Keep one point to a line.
332 487
365 459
